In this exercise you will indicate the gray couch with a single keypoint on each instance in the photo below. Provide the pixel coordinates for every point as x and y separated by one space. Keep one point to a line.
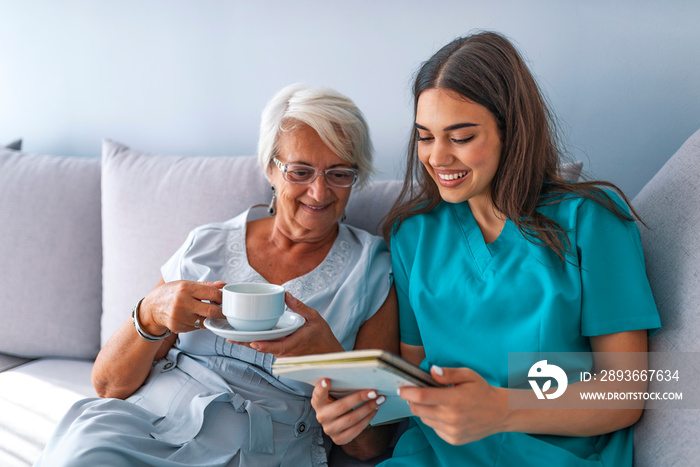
81 240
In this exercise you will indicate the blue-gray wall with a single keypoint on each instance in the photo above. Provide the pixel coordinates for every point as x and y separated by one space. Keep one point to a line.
191 76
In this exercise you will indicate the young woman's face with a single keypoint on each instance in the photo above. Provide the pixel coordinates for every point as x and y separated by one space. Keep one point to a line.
458 143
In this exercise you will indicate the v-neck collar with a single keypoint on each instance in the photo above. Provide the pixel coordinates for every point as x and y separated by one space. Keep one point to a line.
480 251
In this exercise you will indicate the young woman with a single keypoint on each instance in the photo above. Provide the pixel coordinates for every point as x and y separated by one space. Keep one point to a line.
494 254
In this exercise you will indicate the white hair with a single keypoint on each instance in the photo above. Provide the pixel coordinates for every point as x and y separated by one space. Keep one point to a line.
337 120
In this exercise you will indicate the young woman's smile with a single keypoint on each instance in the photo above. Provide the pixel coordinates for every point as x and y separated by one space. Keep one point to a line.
451 178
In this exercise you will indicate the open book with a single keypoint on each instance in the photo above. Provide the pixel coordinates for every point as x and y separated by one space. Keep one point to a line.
359 369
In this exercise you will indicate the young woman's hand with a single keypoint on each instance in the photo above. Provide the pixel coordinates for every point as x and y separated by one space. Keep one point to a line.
467 410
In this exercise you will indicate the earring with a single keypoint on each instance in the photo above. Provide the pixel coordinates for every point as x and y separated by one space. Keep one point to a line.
272 209
343 217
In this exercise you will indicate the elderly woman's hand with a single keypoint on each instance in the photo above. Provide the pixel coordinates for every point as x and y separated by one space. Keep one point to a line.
315 336
178 306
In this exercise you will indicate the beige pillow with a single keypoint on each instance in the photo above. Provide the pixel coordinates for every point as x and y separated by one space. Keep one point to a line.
150 203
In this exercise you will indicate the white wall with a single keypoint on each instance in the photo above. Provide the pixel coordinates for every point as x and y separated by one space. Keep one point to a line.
192 76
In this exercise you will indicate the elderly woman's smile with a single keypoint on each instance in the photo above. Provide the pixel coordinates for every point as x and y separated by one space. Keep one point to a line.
315 208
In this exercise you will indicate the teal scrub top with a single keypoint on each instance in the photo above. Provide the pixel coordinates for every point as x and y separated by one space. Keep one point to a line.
470 303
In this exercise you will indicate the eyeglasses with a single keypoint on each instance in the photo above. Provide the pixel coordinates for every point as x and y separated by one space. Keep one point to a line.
304 174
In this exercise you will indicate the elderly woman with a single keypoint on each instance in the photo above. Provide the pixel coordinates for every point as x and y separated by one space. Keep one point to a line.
178 394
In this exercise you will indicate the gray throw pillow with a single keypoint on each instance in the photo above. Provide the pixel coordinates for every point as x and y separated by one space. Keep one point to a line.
50 245
368 206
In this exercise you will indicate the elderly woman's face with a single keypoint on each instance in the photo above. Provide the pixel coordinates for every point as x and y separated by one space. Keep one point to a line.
308 210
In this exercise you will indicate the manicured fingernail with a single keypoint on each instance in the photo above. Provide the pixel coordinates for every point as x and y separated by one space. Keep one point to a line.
254 346
323 383
381 400
372 395
438 370
398 392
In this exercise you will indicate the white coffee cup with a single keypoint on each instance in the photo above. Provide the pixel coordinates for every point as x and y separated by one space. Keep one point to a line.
253 306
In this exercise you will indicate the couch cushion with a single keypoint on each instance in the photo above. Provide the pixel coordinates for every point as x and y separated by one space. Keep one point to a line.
33 398
670 205
50 245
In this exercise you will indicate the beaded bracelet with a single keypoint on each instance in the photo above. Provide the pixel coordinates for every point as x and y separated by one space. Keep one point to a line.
144 335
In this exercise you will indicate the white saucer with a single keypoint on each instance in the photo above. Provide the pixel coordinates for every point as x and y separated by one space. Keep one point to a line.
288 323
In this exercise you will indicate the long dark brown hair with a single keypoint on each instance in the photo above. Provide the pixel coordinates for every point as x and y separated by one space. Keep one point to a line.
488 70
